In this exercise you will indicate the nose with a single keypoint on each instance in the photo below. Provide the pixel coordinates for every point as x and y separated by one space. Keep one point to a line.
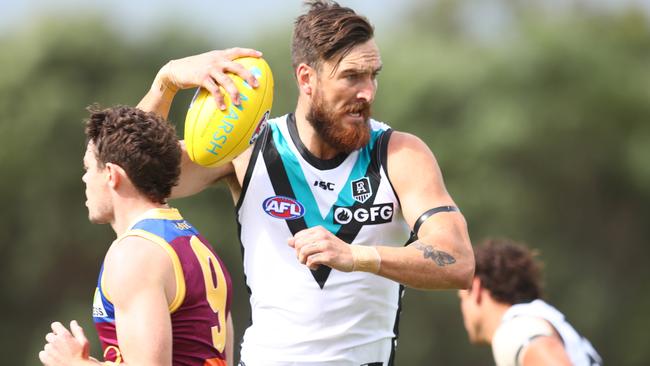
367 90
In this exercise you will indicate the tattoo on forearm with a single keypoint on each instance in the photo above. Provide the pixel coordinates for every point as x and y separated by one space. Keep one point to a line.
441 258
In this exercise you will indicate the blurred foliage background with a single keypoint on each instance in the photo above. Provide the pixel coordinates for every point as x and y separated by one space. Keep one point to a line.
541 126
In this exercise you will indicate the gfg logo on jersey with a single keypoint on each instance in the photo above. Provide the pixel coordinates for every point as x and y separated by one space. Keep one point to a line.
284 208
375 214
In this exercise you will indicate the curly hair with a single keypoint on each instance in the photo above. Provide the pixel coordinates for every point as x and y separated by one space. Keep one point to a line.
143 144
508 270
327 31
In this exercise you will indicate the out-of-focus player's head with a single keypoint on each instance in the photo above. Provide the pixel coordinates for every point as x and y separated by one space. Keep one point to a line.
128 153
336 62
506 274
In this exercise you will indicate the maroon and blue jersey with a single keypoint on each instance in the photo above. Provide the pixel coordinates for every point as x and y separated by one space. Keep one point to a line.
203 293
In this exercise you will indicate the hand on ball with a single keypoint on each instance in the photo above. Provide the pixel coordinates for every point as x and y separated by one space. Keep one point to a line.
209 70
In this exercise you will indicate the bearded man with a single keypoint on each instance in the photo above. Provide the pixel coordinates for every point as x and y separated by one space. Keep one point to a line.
346 190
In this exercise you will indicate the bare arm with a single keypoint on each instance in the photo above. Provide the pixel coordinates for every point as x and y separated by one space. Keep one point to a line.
442 257
141 284
139 279
546 350
230 341
207 70
195 178
160 96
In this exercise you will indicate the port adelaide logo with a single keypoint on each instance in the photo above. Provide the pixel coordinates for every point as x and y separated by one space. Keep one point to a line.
361 189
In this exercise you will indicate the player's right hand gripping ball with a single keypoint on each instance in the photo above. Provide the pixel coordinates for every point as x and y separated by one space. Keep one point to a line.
214 137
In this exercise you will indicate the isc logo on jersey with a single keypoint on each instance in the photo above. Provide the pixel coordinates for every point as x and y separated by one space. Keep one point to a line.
284 208
369 215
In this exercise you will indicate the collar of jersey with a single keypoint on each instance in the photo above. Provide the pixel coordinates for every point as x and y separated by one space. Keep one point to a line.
322 164
158 213
301 188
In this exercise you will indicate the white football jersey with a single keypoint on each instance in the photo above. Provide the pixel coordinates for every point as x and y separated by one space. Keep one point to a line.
522 323
322 317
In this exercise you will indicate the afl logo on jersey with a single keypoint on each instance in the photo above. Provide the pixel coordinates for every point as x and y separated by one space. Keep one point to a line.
283 208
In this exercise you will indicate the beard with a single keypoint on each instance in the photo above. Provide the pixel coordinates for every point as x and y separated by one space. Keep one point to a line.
95 219
99 213
328 123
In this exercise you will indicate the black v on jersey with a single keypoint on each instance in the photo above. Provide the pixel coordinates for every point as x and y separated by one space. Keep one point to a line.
317 309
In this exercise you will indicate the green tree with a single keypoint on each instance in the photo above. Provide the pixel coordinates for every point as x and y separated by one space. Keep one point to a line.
542 136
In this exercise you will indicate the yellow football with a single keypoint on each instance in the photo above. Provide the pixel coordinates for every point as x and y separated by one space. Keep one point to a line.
213 136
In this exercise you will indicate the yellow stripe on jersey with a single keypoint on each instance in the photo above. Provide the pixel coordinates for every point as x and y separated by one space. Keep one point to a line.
162 214
178 269
159 214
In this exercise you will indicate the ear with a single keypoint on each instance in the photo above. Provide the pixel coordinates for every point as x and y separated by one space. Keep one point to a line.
115 175
306 76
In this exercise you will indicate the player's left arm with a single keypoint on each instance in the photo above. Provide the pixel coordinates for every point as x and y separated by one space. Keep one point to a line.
138 275
441 258
545 350
528 341
140 281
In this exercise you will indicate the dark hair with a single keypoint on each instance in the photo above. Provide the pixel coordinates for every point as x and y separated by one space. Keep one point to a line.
327 31
508 270
143 144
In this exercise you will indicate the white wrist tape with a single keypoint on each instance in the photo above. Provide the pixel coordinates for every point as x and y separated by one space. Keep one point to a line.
365 258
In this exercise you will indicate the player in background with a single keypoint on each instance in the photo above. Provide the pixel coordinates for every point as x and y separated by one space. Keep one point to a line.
504 308
162 291
346 190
